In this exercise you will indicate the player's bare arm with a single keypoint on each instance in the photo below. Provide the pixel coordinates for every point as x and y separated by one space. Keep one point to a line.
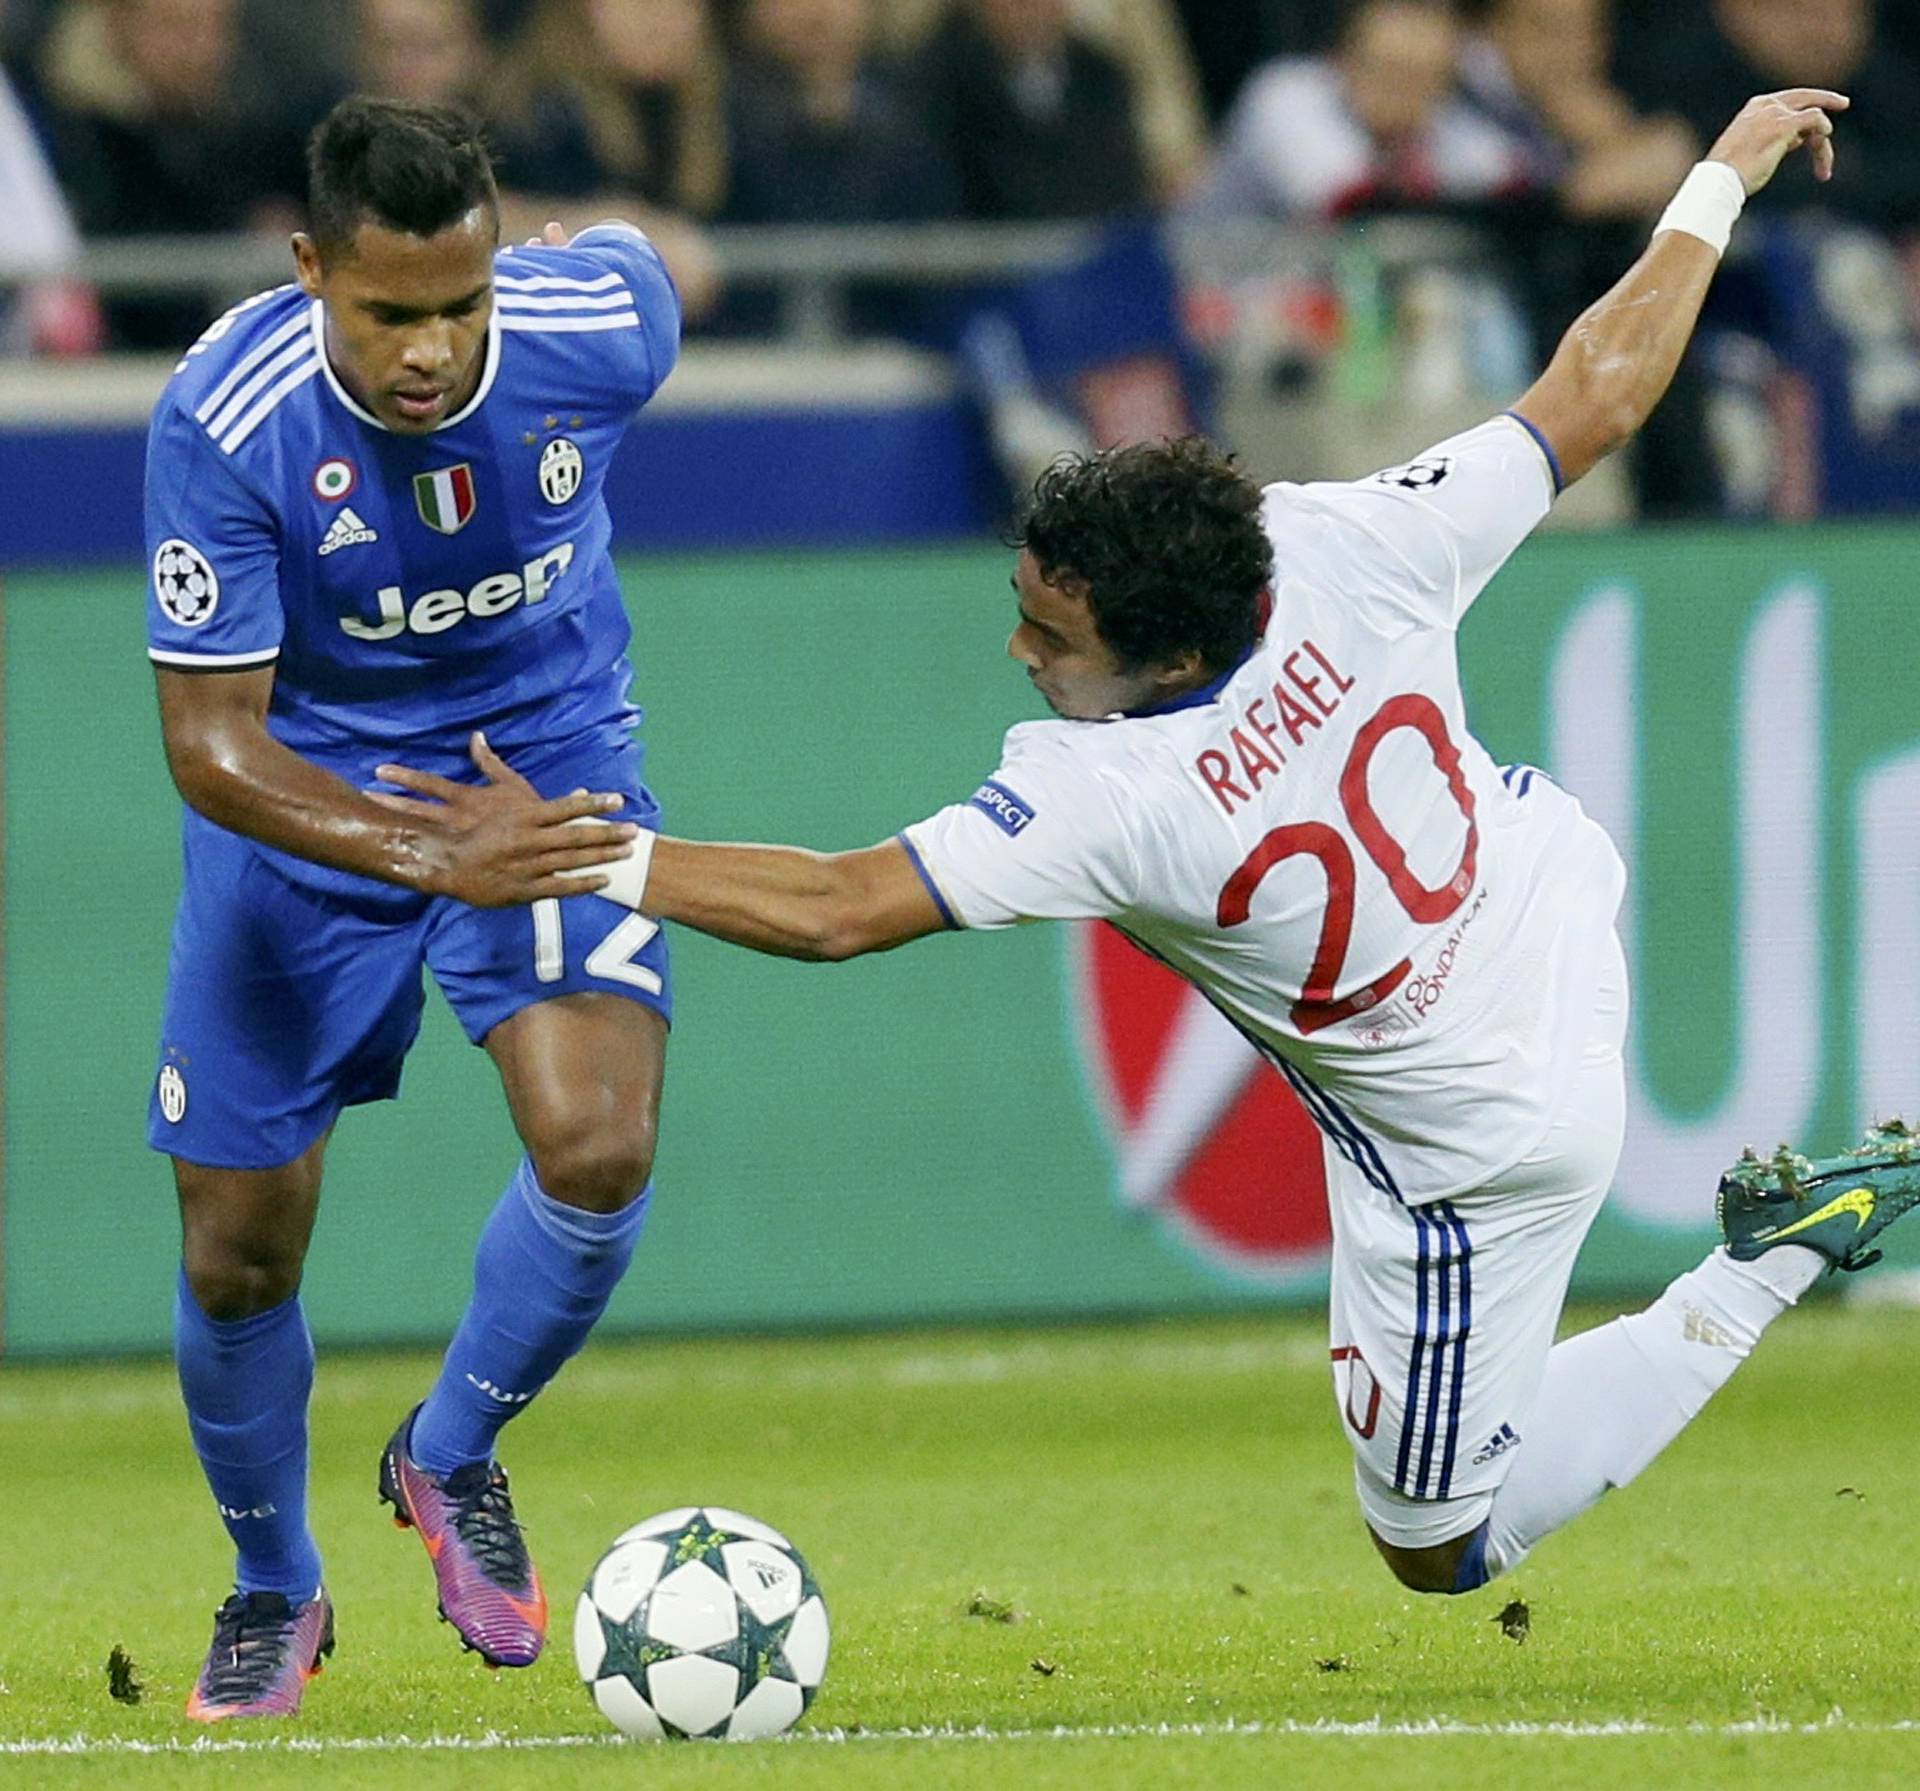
1616 361
791 903
228 767
824 907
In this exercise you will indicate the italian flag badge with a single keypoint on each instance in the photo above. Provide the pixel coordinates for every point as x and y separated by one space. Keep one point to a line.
445 499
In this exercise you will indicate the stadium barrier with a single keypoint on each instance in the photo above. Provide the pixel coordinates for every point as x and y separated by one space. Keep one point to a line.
811 267
836 446
950 1132
825 440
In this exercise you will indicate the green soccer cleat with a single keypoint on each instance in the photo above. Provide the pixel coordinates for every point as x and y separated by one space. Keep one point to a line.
1835 1205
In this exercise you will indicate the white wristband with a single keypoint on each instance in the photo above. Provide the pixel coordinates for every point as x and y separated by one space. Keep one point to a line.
626 877
1709 200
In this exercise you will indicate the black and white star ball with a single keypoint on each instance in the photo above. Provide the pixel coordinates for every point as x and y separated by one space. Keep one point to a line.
701 1622
185 583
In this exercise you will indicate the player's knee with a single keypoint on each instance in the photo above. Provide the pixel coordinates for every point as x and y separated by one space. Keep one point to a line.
1415 1570
243 1232
231 1280
600 1169
1435 1569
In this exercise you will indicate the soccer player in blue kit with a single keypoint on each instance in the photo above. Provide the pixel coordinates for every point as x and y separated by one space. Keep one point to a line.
375 517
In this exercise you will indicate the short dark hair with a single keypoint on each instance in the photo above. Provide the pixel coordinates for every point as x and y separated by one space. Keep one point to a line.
1455 12
412 168
1165 544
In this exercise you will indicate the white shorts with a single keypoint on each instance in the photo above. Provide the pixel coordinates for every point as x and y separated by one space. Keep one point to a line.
1442 1315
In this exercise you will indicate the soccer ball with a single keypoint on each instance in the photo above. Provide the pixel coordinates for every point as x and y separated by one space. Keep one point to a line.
701 1622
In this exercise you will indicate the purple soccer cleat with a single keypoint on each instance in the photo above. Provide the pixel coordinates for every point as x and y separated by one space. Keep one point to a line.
264 1651
489 1591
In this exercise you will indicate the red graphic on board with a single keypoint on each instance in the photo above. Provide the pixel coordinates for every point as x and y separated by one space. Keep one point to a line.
1204 1131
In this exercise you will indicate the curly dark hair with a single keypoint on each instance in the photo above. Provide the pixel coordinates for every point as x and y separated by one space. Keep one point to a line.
1163 541
411 168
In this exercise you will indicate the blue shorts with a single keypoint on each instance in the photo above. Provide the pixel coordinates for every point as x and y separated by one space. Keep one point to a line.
293 992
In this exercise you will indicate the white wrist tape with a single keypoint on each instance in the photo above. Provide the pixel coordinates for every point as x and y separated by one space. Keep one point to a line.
1709 200
626 877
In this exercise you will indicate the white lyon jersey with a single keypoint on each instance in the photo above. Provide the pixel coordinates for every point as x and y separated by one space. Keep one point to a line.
1318 844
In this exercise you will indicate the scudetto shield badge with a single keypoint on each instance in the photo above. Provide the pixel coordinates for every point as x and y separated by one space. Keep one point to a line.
1204 1132
445 498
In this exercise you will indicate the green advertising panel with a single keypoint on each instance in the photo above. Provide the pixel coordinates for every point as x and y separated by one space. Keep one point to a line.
954 1131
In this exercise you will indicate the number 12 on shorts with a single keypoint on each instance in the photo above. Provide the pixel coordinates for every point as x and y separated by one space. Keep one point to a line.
612 959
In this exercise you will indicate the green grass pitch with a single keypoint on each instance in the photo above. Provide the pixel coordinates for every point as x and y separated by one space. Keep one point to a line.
1166 1507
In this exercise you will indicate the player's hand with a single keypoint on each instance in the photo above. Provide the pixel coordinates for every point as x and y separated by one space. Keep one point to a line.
554 236
1766 128
500 844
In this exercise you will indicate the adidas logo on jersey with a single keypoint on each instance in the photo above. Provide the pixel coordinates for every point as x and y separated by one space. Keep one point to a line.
1503 1439
347 531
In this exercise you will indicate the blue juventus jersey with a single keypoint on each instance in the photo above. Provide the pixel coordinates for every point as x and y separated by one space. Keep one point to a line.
407 589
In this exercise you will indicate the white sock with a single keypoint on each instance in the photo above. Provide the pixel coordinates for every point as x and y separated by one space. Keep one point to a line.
1614 1397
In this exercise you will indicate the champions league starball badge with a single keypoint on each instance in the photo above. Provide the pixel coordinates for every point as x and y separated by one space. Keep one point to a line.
185 583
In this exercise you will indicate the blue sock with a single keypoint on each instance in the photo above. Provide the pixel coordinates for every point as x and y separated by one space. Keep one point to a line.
541 1278
246 1385
1473 1571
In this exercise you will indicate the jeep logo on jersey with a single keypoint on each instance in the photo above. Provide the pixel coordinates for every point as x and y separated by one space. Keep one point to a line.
445 499
438 611
1203 1132
561 470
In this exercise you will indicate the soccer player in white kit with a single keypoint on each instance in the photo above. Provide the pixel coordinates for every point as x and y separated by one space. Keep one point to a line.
1262 774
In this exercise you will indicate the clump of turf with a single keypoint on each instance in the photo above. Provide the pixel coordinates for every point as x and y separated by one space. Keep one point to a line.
122 1685
1515 1620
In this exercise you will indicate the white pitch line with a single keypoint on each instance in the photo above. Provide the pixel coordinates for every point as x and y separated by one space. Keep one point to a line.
1435 1728
914 1364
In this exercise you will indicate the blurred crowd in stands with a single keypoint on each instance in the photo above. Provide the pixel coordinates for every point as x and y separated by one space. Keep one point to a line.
1556 128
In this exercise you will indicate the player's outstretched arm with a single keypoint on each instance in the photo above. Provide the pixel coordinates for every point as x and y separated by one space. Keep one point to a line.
229 768
1615 363
783 900
821 906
